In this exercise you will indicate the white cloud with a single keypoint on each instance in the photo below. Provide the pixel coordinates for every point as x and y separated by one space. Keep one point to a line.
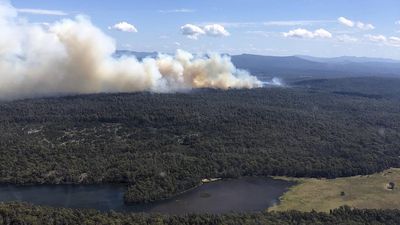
397 22
381 39
182 10
364 26
42 12
216 30
283 23
346 38
192 31
376 38
349 23
124 27
299 33
322 33
346 21
303 33
395 41
213 30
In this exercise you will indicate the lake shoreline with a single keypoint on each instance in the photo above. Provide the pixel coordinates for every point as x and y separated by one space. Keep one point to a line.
223 195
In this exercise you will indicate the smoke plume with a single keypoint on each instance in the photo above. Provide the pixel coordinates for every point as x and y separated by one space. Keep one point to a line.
74 56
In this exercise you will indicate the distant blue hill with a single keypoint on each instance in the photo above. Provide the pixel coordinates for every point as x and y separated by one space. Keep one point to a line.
301 67
348 59
311 67
138 55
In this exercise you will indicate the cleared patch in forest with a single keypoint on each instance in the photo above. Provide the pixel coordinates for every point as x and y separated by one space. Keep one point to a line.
376 191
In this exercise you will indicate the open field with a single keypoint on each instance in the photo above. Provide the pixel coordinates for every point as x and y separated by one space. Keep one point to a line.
359 191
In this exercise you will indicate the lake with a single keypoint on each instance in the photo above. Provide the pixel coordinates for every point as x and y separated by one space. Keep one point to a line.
247 194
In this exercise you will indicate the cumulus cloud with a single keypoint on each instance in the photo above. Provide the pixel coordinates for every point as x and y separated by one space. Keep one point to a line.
192 31
216 30
376 38
381 39
397 22
321 33
364 26
299 33
395 41
346 22
74 56
303 33
283 23
213 30
349 23
124 27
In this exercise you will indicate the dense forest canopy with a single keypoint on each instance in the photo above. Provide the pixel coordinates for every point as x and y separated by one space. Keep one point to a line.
11 214
162 144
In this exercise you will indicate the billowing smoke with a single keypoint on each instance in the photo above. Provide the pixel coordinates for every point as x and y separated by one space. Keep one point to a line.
74 56
274 82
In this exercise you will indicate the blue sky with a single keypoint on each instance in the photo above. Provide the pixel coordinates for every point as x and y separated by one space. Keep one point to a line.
268 27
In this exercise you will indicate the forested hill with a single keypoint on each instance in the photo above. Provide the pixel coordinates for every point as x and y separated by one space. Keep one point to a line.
161 144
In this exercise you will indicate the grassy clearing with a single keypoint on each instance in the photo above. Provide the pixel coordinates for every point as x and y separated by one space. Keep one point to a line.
360 191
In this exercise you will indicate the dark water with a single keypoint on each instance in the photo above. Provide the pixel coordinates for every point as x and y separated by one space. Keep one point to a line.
241 195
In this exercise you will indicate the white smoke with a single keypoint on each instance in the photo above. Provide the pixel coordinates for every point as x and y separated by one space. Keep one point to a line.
274 82
74 56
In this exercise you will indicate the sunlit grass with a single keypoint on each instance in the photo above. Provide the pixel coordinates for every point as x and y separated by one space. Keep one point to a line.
360 191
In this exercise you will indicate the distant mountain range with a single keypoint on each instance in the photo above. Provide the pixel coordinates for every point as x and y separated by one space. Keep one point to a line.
348 59
295 67
301 67
139 55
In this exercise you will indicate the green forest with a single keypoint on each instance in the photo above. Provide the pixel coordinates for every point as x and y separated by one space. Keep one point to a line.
162 144
13 214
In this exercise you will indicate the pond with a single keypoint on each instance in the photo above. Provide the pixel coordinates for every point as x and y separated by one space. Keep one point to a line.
247 194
